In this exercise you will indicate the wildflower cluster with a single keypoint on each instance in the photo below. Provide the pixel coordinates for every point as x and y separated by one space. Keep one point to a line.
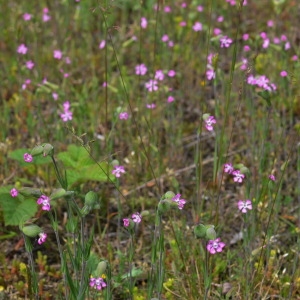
237 175
67 114
135 218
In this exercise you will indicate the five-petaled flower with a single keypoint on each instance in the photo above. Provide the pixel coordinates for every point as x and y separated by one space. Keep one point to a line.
97 283
42 238
22 49
14 192
57 54
45 202
225 42
244 205
140 69
118 170
136 217
123 115
27 157
214 246
126 222
209 123
228 168
180 202
238 176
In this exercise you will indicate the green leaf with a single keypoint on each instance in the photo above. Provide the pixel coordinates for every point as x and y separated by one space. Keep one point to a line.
16 209
266 95
81 167
37 160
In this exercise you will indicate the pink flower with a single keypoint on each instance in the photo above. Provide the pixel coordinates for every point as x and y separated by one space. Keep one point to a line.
183 5
247 48
45 202
294 58
165 38
238 176
262 81
182 23
57 54
263 35
210 74
97 283
144 22
245 36
159 75
287 46
244 206
102 44
272 177
171 44
220 19
27 157
14 192
276 40
180 202
200 8
217 31
55 96
270 23
151 85
197 26
126 222
209 123
136 217
29 64
214 246
67 114
46 18
228 168
151 106
171 99
141 69
171 73
123 115
283 73
167 9
42 238
24 85
283 38
27 17
225 42
67 60
266 43
22 49
118 170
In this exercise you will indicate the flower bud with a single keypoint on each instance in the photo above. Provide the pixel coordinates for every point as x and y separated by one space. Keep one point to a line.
48 150
32 230
58 193
210 232
169 195
30 192
91 199
163 206
37 150
145 213
101 268
200 231
205 116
